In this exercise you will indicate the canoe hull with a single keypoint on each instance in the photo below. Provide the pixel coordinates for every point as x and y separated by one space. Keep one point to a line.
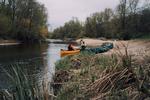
66 52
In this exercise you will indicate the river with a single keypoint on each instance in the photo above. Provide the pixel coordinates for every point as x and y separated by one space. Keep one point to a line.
38 61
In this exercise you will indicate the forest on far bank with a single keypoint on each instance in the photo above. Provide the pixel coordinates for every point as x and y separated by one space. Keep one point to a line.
130 19
24 20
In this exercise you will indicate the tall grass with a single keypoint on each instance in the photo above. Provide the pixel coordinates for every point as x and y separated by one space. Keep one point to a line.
24 88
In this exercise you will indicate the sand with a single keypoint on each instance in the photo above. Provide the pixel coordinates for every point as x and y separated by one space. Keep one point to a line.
134 47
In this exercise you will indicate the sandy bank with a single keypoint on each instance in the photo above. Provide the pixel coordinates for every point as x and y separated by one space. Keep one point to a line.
93 42
8 42
134 46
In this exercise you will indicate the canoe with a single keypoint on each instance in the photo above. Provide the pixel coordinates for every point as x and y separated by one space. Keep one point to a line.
66 52
101 49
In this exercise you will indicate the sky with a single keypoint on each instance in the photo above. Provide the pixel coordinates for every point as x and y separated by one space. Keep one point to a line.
61 11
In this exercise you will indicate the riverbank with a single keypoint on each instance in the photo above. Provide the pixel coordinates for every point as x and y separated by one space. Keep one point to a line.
9 42
115 74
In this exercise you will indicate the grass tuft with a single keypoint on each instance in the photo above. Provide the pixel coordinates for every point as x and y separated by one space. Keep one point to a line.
23 87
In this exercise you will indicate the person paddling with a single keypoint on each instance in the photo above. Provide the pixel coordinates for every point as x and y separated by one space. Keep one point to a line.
70 47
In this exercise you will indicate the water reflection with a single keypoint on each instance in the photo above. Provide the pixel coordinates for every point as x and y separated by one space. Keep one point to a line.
36 60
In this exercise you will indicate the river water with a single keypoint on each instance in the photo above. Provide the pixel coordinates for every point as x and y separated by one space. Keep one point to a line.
38 61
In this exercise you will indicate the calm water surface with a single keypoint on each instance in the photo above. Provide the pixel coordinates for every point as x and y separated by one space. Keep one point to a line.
36 60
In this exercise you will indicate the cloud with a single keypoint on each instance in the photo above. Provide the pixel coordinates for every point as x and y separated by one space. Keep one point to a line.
61 11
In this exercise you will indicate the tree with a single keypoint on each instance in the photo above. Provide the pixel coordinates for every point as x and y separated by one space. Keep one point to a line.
71 29
27 18
98 25
93 25
4 25
131 20
144 25
31 17
108 15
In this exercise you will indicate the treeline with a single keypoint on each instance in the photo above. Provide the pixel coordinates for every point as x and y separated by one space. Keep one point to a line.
131 19
24 20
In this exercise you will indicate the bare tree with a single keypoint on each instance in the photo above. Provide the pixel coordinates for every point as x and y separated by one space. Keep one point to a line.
147 4
122 11
133 6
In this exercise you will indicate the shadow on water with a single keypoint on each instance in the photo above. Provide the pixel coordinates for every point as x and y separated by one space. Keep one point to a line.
37 61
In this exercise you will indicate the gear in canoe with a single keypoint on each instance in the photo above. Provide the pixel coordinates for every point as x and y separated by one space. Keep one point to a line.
103 48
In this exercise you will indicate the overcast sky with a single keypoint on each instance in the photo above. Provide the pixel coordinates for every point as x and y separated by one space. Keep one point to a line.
61 11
